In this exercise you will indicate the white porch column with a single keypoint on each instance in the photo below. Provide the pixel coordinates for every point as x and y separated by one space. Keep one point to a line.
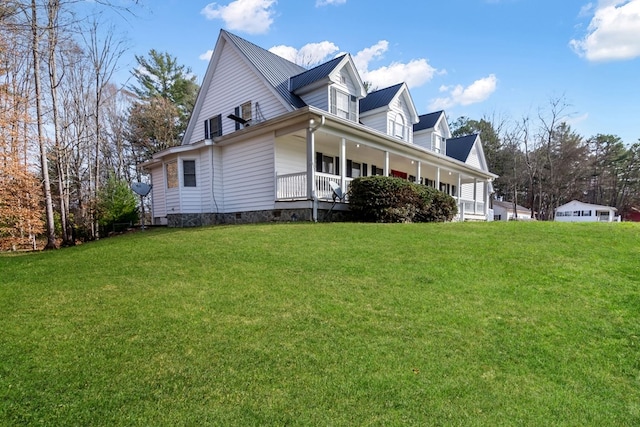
475 195
311 173
343 164
386 163
458 187
437 184
418 171
486 200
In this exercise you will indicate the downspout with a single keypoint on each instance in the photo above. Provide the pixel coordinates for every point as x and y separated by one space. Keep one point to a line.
311 165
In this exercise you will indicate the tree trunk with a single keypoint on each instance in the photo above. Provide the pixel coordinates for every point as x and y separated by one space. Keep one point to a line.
51 235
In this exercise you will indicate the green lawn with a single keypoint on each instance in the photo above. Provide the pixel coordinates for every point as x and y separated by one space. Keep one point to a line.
327 324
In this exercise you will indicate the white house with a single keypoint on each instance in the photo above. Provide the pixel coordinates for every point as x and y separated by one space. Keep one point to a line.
576 211
505 211
267 137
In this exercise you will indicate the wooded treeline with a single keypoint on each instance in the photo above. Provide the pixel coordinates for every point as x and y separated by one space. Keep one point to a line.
71 139
542 163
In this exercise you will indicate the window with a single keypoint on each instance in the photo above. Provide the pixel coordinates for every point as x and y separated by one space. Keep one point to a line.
326 164
213 127
355 170
189 173
243 112
437 143
586 213
576 213
397 127
172 174
343 105
376 171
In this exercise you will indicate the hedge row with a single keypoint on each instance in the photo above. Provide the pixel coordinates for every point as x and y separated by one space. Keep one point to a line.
388 199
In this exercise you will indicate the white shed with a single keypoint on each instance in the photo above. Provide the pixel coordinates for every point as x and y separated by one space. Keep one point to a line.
504 211
576 211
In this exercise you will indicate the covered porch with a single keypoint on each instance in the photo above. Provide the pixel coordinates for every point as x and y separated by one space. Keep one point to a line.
308 161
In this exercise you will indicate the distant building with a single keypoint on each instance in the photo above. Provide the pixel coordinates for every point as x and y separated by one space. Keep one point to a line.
504 211
576 211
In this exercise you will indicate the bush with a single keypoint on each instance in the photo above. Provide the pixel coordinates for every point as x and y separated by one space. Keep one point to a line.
117 204
387 199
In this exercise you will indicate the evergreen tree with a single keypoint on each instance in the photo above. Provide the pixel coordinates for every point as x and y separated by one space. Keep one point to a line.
160 76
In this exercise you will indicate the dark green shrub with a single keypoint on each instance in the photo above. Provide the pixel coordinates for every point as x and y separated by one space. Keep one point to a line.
436 205
117 204
388 199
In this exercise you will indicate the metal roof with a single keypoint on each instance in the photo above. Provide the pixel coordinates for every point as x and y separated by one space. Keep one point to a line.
275 69
379 98
459 148
427 121
313 75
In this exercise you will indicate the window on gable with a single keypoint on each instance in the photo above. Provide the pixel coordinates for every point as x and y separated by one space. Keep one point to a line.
171 170
343 105
189 173
243 112
397 127
213 127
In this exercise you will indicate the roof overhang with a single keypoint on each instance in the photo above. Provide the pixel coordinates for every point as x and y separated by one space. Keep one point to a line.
311 117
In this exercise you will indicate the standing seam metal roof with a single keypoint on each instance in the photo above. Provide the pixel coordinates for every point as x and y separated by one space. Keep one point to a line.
274 68
459 148
427 121
313 75
379 98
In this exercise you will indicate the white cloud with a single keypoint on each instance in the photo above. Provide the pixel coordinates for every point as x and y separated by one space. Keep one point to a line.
366 55
308 55
206 56
320 3
250 16
612 33
415 73
476 92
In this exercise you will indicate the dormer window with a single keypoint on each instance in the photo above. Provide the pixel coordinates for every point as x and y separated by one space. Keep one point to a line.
343 105
397 127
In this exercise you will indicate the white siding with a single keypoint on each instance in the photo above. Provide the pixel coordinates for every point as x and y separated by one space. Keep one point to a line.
173 200
291 155
203 180
466 191
376 121
234 83
474 158
189 196
248 175
318 98
158 200
423 139
218 181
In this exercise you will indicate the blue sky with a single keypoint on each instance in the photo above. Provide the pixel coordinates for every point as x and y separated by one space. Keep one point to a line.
497 58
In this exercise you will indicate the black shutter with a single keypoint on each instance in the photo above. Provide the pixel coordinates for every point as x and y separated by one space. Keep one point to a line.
219 124
237 113
349 167
206 129
337 168
364 169
318 162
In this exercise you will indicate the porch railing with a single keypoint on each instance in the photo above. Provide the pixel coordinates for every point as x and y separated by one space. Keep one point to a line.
293 186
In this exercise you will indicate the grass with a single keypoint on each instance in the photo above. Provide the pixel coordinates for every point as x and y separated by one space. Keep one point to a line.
327 324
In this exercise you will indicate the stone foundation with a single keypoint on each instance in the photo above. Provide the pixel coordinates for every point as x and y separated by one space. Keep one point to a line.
250 217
